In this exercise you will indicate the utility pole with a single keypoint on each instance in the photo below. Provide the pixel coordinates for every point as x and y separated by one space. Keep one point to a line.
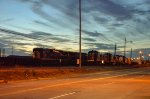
0 52
80 24
12 47
131 54
12 50
115 51
125 50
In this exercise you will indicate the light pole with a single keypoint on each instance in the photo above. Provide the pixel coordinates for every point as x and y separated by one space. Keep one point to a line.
131 54
125 48
80 16
114 59
140 52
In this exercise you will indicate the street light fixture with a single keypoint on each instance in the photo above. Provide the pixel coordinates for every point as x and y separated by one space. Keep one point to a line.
149 56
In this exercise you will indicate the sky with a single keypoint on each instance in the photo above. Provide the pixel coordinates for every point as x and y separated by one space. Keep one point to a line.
26 24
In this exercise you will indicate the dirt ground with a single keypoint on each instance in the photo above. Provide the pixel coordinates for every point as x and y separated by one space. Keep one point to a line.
21 73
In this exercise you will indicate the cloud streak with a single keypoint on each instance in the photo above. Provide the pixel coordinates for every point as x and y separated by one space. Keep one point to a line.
109 7
89 39
42 23
37 35
95 34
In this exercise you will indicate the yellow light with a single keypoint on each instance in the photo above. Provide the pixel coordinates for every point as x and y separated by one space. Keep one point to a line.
140 52
102 61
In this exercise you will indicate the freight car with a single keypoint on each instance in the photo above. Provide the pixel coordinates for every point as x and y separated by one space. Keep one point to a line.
94 57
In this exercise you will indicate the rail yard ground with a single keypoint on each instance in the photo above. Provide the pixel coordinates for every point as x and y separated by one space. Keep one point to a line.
20 73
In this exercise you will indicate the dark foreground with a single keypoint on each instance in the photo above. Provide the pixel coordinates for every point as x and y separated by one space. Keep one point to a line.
24 73
117 84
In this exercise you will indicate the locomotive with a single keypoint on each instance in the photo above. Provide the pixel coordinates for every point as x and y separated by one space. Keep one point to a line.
70 58
59 56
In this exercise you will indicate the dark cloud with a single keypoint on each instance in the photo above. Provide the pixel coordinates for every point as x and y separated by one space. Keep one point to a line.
6 20
40 34
109 7
100 20
38 9
33 35
102 46
26 0
21 44
60 40
95 34
37 35
43 45
14 32
89 39
142 12
92 34
49 37
117 24
42 23
141 27
38 5
70 8
99 46
147 1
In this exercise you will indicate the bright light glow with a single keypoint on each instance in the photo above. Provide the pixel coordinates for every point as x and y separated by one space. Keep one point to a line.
140 52
102 61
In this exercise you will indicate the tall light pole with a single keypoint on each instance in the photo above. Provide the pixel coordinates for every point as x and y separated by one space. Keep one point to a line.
12 49
0 52
140 52
131 54
80 16
125 48
115 52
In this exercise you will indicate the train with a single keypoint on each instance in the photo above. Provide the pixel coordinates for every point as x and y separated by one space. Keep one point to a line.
58 57
54 57
93 57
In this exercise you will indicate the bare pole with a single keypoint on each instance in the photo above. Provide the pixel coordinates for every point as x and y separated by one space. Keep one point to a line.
115 51
125 50
12 49
80 57
131 54
0 52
